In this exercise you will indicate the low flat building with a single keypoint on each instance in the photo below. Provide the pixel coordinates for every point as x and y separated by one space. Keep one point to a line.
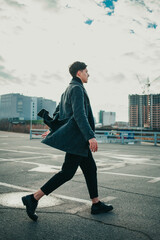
107 118
20 107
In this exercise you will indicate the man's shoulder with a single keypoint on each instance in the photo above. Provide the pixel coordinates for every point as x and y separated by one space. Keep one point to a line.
74 87
71 90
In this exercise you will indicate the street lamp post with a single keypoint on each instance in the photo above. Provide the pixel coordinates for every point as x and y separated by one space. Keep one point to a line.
141 113
31 119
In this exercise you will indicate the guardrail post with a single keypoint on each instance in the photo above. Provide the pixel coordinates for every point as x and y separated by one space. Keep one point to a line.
105 137
155 139
122 136
30 134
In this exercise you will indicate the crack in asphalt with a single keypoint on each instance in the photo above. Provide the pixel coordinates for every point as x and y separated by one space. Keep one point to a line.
90 219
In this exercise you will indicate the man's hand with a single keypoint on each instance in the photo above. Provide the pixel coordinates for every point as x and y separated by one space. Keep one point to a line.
93 144
45 134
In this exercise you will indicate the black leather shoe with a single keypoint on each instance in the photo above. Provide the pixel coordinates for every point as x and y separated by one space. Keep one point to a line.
100 207
30 207
42 113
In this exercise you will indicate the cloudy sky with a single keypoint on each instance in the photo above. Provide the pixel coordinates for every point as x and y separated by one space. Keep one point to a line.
117 39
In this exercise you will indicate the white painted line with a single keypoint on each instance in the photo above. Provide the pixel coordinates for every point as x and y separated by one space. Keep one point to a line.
18 159
41 167
99 164
130 158
109 198
154 180
114 166
127 155
150 164
122 164
31 147
46 168
104 162
17 151
49 169
128 175
56 155
56 195
102 153
73 199
40 164
16 187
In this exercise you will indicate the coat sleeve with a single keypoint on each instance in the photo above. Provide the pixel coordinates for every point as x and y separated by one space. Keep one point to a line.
77 102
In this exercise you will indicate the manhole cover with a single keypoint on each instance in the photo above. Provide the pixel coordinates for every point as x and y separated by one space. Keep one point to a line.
14 200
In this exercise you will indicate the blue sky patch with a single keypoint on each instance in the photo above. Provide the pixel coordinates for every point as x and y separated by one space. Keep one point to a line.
109 3
110 13
152 25
89 21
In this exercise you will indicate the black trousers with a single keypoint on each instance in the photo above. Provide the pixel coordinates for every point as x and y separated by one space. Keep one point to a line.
69 168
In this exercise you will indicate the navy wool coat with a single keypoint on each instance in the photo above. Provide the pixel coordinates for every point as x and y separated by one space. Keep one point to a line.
72 124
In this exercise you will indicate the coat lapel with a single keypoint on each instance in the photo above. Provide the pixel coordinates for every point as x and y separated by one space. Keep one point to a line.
77 81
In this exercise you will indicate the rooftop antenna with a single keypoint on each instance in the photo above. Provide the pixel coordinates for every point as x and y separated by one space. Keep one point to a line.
146 90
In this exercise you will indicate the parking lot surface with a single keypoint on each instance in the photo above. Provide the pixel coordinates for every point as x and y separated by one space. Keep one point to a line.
128 178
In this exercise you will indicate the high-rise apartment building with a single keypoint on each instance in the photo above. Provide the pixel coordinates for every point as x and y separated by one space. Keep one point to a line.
18 106
144 111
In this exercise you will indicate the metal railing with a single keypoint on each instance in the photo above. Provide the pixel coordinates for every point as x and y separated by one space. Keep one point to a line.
131 137
36 133
114 136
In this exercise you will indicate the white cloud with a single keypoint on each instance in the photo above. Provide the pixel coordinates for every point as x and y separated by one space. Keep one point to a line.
42 38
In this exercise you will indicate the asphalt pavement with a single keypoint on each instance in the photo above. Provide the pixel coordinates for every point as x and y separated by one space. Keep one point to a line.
128 178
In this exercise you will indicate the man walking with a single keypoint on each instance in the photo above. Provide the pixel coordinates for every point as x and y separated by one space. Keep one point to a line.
72 131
